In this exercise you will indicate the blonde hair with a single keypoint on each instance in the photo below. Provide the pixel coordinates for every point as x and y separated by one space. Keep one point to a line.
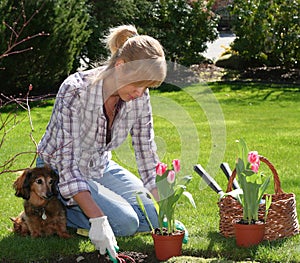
143 56
118 36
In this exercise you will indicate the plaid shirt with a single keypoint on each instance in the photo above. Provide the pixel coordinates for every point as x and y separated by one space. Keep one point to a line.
75 139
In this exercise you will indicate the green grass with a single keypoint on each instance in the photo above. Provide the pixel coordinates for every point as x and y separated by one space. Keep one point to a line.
197 125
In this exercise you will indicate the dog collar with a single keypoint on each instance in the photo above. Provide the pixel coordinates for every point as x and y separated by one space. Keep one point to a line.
44 216
41 211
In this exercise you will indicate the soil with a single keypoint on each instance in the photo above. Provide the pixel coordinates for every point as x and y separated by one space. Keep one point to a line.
91 257
253 222
96 257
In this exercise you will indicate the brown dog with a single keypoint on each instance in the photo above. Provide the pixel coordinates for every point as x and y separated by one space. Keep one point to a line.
43 214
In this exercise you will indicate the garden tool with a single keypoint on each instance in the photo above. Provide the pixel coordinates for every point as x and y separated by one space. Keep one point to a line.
214 185
227 171
121 258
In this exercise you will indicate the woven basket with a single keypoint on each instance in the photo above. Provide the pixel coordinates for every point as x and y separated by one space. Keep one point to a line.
282 217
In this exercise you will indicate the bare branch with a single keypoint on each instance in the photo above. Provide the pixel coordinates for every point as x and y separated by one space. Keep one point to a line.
6 166
8 52
11 29
34 14
15 34
10 121
36 146
28 108
23 10
15 52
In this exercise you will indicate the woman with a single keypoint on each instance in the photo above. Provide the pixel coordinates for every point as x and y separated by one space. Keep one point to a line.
94 112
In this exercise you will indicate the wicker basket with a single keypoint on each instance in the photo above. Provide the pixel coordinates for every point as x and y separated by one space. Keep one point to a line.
282 217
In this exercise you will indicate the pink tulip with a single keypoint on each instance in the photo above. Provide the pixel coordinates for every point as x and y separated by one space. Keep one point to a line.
171 177
253 157
161 168
176 165
254 167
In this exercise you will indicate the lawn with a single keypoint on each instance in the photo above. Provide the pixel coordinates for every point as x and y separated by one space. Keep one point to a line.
198 124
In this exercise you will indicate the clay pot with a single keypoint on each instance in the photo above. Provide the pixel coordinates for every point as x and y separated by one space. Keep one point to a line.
249 234
167 246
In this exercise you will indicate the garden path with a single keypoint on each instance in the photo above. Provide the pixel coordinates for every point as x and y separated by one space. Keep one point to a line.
216 48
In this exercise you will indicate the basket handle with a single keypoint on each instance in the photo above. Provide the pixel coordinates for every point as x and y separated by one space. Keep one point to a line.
277 184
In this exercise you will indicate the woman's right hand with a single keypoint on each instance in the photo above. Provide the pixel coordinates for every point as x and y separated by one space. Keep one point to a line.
100 232
102 236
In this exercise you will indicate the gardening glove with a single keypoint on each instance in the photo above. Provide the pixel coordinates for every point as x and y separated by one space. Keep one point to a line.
181 226
102 236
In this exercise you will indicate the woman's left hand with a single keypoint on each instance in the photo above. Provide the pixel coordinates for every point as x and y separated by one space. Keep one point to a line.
154 192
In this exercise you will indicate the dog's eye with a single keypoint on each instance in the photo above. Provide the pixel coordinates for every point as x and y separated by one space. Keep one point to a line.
51 181
39 181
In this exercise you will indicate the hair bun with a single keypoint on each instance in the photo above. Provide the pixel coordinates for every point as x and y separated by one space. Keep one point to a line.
118 36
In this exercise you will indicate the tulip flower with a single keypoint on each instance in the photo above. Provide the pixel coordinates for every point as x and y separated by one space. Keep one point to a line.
161 168
176 165
252 182
254 167
169 193
253 157
171 177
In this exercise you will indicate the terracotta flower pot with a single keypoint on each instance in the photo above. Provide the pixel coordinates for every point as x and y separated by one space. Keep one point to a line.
249 235
168 246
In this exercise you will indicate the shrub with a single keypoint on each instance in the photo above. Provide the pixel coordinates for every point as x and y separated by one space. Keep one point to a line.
267 32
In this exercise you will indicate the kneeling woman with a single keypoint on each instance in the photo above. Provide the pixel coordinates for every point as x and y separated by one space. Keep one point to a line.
93 114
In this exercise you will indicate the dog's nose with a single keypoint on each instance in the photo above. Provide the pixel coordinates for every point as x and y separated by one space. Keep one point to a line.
49 195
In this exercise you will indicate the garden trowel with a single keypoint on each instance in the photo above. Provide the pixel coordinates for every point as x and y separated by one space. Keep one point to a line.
213 184
227 171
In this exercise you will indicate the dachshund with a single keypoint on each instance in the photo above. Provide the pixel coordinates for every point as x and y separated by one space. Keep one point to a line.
44 214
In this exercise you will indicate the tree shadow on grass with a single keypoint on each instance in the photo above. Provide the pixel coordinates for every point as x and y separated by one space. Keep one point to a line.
279 75
54 249
256 91
17 249
228 249
246 85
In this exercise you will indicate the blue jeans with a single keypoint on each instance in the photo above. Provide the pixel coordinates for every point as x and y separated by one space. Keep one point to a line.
115 194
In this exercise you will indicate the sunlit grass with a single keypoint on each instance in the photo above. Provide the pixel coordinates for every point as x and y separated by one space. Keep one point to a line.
267 116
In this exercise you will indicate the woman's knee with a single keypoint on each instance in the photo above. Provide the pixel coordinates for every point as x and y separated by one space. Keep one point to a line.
125 225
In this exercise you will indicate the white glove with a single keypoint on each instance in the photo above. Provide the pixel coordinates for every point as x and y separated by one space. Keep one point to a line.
102 236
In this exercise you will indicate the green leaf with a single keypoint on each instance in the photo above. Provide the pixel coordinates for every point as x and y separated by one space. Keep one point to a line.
268 204
154 202
243 148
190 198
264 187
185 180
141 205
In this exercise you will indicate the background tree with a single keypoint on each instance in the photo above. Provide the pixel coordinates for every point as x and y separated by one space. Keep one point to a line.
52 58
104 15
267 32
182 28
77 27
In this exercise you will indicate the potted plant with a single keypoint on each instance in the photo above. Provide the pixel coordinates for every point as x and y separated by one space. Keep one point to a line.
254 184
168 237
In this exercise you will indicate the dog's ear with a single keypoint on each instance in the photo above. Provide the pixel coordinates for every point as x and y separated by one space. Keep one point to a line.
13 219
22 184
54 176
